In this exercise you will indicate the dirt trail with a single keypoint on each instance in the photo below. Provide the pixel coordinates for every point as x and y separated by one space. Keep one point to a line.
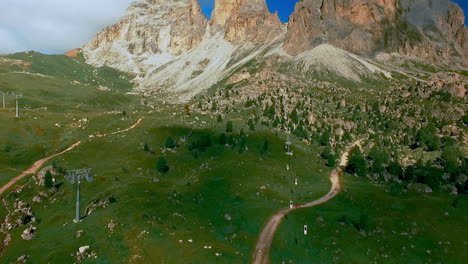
38 164
262 250
128 129
35 167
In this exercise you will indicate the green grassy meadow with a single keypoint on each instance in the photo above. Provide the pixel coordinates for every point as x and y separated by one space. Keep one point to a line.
212 203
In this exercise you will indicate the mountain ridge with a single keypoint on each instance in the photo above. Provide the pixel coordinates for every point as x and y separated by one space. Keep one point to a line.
161 41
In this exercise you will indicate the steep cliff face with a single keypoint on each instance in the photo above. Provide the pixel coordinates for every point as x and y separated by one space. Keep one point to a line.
151 27
429 29
172 47
455 20
245 20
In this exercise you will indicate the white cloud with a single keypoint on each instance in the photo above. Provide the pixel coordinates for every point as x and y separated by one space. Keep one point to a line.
8 42
54 26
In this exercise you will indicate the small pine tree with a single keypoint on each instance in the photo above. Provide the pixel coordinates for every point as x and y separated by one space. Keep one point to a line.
170 143
229 127
162 166
395 169
222 139
213 106
251 125
347 137
219 119
326 152
427 138
331 161
276 122
48 180
357 163
146 147
325 138
294 116
265 147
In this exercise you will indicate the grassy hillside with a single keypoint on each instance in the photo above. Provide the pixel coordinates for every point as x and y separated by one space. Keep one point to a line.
62 103
221 186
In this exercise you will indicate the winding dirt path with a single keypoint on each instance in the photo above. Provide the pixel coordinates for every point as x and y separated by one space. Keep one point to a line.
38 164
262 250
35 167
128 129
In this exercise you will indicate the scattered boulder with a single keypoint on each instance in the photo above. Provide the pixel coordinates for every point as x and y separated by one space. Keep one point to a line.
449 189
21 215
79 233
419 187
22 259
98 203
29 233
85 252
450 82
311 118
37 199
228 217
111 225
244 74
83 249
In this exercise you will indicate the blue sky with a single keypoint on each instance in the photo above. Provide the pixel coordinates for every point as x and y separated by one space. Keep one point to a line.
286 7
463 4
55 26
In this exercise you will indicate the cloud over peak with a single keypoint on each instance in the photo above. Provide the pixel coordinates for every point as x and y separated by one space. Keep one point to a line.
54 26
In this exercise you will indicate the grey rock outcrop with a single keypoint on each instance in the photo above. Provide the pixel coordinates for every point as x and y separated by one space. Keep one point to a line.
432 30
151 27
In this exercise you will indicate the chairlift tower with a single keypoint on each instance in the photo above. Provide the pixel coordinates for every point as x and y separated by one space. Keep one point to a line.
73 176
17 96
288 151
288 146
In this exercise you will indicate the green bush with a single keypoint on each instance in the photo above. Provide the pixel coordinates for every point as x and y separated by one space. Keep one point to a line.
331 161
229 127
357 163
162 166
170 143
48 180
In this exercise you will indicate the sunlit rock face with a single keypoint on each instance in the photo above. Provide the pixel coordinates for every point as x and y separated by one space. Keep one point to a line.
245 20
172 48
150 27
428 29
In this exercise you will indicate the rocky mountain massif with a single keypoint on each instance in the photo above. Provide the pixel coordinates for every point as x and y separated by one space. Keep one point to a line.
432 30
172 48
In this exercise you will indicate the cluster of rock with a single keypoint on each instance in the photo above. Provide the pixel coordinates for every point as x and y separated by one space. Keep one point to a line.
112 225
21 215
450 82
29 233
40 176
96 204
12 62
84 252
22 259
